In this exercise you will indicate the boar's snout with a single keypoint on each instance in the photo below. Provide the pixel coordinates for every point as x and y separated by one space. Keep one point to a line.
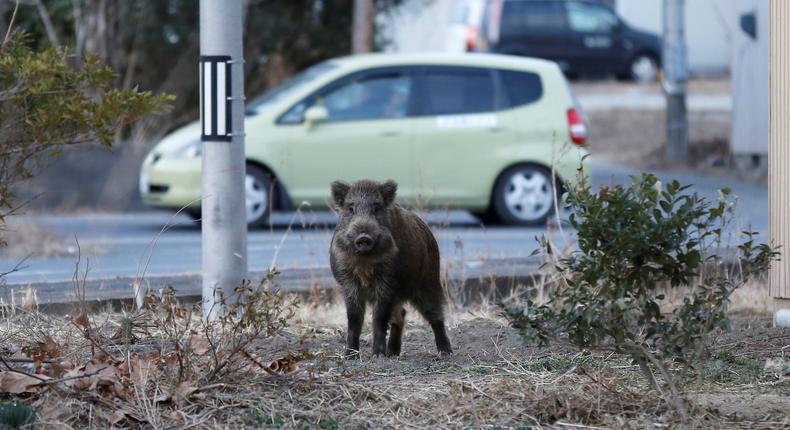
363 243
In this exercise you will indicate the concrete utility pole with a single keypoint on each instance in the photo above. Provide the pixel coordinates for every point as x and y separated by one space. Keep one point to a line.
224 224
779 156
362 33
675 77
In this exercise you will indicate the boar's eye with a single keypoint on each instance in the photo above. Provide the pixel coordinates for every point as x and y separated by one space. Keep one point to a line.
376 208
350 209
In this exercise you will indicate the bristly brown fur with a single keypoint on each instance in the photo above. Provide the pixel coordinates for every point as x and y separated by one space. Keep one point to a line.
384 255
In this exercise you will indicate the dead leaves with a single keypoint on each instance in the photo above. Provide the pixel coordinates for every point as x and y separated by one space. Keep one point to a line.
287 364
20 382
199 344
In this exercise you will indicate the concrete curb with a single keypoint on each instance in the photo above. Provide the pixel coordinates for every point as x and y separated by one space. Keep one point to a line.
58 296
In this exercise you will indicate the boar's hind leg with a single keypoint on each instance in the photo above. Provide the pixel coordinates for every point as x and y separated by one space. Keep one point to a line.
396 329
430 305
381 318
355 311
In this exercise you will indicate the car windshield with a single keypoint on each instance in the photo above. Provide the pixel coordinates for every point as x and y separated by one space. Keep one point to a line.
267 99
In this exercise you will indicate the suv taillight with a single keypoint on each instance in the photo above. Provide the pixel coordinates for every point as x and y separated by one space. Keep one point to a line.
576 127
471 39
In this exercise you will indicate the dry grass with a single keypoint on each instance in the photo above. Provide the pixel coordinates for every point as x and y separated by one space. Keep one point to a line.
493 380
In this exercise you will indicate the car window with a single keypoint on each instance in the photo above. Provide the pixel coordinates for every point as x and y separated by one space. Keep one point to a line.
286 88
383 95
525 17
521 88
590 18
455 91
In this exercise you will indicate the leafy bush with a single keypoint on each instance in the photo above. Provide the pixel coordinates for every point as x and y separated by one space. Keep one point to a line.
635 242
16 415
46 103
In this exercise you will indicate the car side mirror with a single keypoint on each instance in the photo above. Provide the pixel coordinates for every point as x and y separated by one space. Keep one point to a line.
314 115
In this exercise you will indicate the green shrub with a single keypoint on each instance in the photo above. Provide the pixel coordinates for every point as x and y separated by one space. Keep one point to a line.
15 415
46 103
635 242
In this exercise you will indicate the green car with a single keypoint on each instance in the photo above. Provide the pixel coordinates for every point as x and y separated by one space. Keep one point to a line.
456 131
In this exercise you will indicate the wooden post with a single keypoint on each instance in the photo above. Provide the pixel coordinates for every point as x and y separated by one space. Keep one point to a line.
779 157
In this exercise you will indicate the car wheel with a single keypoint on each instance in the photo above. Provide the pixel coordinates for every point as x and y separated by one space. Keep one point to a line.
257 188
194 214
643 68
488 217
524 195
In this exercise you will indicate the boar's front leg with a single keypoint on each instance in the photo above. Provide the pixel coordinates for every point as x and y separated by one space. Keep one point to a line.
381 319
355 311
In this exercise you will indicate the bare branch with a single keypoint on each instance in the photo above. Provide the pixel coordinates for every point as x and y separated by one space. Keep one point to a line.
52 35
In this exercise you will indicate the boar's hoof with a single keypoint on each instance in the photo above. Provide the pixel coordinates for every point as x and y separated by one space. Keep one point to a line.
351 354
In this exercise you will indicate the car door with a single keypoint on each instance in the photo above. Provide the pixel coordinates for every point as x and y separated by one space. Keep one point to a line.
534 28
367 135
595 45
457 128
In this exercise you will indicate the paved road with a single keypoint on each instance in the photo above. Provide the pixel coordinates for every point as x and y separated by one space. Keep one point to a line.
129 245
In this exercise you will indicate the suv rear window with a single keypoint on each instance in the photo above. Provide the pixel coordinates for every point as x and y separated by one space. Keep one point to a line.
525 17
452 91
520 88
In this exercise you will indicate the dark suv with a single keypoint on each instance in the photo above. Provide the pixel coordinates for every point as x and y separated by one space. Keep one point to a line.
583 37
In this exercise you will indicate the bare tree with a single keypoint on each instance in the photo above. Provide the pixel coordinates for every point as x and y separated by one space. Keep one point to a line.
52 35
362 33
99 29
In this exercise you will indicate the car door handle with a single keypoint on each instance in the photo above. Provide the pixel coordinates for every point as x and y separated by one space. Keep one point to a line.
390 133
497 129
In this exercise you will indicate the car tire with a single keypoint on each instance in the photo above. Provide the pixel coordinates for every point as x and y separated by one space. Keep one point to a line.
524 195
487 217
643 68
194 214
257 196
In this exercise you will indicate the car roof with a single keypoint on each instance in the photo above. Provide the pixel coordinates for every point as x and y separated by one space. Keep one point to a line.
362 61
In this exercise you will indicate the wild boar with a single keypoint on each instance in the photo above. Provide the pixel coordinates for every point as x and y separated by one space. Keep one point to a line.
384 255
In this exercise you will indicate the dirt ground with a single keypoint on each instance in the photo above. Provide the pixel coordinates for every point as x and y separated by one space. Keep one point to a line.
694 86
24 239
637 138
493 380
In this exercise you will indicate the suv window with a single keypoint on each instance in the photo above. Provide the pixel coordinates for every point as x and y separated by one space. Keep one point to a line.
523 17
521 88
591 18
371 96
457 90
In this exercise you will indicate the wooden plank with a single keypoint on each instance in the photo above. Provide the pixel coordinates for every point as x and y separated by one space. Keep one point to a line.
779 145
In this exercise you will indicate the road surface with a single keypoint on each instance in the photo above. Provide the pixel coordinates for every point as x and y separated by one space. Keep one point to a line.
162 244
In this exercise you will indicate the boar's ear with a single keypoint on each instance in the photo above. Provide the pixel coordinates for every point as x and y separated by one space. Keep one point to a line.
388 190
339 191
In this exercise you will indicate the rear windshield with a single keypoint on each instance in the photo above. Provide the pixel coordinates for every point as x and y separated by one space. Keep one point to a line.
530 17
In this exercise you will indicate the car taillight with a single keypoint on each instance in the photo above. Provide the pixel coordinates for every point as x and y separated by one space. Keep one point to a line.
471 39
577 128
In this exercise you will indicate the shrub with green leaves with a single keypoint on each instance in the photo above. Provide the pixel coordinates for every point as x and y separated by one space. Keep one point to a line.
15 415
47 102
635 242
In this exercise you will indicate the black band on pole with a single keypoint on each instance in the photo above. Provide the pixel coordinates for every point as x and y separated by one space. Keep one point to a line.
215 98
